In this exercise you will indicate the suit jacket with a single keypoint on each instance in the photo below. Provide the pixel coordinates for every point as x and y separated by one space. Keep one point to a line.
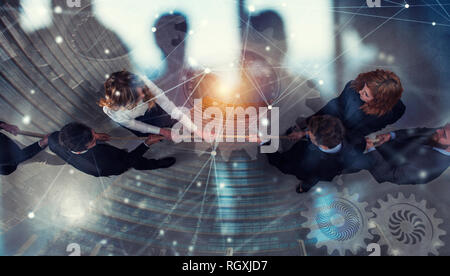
347 107
408 159
102 160
11 155
311 165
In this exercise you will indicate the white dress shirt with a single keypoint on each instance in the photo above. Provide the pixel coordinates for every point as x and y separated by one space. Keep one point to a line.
127 117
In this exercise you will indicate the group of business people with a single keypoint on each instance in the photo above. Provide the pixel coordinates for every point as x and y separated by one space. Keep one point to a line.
330 143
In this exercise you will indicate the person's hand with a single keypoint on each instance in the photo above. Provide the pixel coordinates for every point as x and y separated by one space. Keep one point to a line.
369 144
102 137
153 139
166 133
44 142
382 139
14 130
295 136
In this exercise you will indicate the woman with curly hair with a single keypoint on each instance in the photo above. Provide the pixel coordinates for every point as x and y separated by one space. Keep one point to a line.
368 104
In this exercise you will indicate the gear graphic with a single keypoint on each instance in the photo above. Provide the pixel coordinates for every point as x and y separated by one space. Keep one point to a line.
338 221
407 226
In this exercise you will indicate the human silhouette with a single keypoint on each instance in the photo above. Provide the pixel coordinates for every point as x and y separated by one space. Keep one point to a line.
265 45
171 37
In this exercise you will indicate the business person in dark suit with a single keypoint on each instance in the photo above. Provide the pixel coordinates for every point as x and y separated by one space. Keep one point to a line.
414 156
83 148
324 154
10 153
367 104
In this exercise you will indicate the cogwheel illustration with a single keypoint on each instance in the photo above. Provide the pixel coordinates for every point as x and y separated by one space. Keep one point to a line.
338 221
407 226
105 44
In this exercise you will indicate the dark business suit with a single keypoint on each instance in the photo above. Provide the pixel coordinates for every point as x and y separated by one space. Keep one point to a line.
347 107
11 155
311 165
408 159
104 159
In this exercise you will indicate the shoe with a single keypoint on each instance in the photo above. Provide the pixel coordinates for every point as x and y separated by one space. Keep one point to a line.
166 162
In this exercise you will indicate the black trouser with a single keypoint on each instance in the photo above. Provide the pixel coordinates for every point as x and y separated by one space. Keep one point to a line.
12 155
155 116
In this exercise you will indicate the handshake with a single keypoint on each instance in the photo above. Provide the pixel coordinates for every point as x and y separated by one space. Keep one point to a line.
378 141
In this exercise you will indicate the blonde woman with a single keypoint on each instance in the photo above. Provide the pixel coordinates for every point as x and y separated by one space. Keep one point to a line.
137 104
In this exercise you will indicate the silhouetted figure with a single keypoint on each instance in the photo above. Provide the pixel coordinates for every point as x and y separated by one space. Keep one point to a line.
171 37
412 156
81 147
265 45
88 37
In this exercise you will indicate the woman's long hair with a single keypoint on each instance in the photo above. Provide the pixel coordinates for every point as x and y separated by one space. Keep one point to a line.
121 91
386 88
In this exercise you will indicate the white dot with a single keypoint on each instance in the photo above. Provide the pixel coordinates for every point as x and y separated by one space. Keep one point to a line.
107 51
117 94
58 10
207 71
59 39
106 76
434 23
31 215
103 242
222 185
251 8
154 29
139 184
265 122
126 200
214 153
191 32
423 174
229 240
199 184
174 243
138 177
161 232
32 92
267 48
71 171
156 15
26 120
270 107
407 6
191 248
319 190
321 82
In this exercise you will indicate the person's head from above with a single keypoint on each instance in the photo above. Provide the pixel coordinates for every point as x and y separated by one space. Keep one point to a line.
380 91
170 34
441 138
78 138
326 132
125 90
